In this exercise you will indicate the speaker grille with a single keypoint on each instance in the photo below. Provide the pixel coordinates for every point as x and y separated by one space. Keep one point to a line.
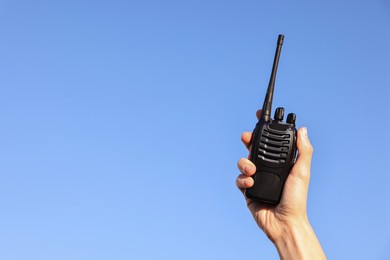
274 146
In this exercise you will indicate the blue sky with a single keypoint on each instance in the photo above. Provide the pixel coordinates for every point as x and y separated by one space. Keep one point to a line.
121 122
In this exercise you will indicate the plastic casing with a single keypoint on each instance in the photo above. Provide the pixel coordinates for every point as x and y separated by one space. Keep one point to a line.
273 152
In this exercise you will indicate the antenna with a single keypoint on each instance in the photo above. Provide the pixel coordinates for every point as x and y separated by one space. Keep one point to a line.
267 106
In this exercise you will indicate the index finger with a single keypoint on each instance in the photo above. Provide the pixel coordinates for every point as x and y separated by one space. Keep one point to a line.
246 138
258 114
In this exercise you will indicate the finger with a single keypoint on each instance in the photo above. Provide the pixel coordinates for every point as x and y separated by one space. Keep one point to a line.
305 152
244 182
246 138
258 114
246 167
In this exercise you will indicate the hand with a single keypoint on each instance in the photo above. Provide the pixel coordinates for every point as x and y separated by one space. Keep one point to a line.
289 216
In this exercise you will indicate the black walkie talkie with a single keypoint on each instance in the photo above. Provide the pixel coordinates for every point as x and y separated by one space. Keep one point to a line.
273 146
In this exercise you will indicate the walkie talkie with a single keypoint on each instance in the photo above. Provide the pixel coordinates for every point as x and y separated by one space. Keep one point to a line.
273 146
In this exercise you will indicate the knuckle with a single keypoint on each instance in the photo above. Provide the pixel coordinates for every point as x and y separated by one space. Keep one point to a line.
310 149
241 163
239 182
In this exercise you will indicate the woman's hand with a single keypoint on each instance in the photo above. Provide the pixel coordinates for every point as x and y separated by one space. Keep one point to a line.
285 224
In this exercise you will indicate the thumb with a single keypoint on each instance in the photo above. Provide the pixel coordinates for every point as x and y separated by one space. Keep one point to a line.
301 167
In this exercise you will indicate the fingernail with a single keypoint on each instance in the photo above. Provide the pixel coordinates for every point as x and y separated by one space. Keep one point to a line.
304 131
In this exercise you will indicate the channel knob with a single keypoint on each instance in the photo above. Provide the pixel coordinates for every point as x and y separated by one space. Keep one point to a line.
279 114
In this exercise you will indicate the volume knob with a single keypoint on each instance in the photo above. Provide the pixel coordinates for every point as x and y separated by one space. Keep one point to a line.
291 118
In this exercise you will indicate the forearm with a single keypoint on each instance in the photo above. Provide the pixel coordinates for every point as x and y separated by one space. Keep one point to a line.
299 242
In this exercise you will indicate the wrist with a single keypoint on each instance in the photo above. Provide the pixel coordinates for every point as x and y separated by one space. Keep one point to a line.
298 241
